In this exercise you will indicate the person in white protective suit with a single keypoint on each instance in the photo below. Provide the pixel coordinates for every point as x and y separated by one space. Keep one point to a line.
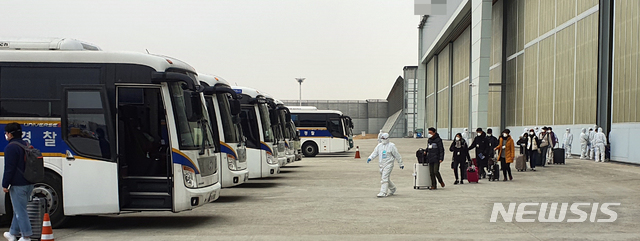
600 140
566 143
380 136
584 144
592 134
537 130
465 135
387 153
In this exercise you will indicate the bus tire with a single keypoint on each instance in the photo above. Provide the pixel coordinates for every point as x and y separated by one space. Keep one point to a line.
51 190
309 149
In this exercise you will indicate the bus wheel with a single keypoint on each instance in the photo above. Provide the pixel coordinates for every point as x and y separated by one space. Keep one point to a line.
309 149
51 190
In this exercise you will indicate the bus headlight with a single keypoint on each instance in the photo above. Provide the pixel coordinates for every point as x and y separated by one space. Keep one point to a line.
232 164
189 176
271 160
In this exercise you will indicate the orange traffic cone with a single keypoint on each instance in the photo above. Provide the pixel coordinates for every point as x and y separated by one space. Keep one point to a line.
47 231
357 152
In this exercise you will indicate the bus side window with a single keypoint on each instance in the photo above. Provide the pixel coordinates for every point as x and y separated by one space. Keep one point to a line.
86 124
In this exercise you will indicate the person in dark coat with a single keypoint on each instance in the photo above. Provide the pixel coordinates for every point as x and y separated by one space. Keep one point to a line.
481 144
460 157
533 149
435 156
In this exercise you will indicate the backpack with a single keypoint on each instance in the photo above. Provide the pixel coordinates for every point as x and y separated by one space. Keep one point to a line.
420 155
34 164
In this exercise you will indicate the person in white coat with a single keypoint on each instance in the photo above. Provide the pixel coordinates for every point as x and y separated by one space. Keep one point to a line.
465 135
566 142
592 134
600 140
584 144
387 153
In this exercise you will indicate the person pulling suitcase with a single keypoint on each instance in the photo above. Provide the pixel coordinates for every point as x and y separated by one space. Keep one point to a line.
386 153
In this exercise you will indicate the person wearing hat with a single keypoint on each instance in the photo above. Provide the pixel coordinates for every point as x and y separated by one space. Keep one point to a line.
506 153
14 183
481 144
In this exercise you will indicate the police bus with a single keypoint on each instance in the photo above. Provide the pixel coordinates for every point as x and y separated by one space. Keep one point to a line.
262 153
118 131
322 131
284 119
223 108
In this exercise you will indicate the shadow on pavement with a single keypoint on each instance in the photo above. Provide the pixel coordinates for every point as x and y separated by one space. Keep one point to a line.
122 222
231 199
257 185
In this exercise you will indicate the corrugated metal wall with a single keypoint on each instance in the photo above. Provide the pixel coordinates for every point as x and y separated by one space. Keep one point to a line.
443 88
460 91
552 62
431 96
625 62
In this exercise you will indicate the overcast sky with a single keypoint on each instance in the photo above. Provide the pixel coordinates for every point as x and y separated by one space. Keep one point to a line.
347 49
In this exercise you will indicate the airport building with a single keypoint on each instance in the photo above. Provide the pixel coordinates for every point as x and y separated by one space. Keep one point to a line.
524 63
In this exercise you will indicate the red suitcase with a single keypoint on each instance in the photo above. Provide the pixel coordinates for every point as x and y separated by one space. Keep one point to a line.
472 174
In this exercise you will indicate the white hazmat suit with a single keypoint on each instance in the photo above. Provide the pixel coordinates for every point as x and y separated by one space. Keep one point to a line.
600 140
592 135
566 142
584 144
465 135
387 153
380 136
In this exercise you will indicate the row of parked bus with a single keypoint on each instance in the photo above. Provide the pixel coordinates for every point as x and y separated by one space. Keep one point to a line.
122 131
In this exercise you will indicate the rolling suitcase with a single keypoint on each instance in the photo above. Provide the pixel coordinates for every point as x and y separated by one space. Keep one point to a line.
421 175
35 209
494 172
521 164
558 156
472 174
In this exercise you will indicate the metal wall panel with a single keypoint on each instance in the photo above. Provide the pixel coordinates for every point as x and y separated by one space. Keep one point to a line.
583 5
547 15
512 95
512 26
530 85
460 92
586 69
430 77
626 51
566 10
564 84
531 14
545 81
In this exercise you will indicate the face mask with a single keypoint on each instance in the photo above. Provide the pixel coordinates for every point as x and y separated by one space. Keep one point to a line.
549 131
385 141
6 137
531 133
429 135
504 134
479 133
489 134
457 138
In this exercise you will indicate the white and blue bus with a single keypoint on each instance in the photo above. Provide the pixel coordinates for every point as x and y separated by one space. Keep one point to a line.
118 131
322 131
285 122
224 110
262 153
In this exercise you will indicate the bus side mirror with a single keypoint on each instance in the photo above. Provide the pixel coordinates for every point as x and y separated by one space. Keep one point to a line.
193 106
235 107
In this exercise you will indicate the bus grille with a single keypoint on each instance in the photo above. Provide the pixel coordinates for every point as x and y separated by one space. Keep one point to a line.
208 166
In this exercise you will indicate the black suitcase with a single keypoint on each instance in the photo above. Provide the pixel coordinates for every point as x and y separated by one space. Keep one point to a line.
494 172
558 156
36 209
420 154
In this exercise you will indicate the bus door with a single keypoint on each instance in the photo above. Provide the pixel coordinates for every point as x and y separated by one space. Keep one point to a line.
90 171
337 133
144 153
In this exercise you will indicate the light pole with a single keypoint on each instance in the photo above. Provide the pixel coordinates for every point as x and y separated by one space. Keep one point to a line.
300 81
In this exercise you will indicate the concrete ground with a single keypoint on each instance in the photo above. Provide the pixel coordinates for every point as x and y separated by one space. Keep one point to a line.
334 198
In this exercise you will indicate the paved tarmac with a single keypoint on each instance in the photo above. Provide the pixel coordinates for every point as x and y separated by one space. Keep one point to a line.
333 197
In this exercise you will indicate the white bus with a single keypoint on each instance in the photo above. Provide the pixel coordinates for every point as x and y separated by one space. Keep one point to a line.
224 110
278 131
284 119
322 131
262 154
119 131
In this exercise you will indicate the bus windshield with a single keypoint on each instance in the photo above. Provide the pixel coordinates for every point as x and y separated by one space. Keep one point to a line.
266 123
230 129
191 134
347 125
285 129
